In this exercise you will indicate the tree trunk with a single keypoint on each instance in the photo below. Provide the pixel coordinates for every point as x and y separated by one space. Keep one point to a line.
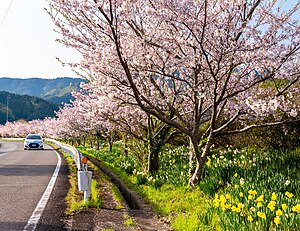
125 149
91 140
200 160
153 158
155 145
192 158
97 141
83 140
110 144
111 138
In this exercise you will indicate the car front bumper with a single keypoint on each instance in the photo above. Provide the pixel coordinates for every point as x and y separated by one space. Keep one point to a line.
33 146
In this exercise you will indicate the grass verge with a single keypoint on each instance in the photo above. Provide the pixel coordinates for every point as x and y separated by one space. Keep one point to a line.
245 189
74 199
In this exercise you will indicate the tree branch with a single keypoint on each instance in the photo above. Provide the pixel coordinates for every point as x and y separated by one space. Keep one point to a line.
258 126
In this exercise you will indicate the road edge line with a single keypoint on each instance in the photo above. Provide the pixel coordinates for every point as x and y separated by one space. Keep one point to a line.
37 213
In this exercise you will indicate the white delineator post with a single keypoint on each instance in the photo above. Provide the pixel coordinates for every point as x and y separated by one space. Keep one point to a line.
85 180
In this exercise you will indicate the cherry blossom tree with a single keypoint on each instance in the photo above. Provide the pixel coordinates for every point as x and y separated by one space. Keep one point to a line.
107 113
20 129
198 66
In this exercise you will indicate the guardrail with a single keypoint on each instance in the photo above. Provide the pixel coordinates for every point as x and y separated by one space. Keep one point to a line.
84 176
76 154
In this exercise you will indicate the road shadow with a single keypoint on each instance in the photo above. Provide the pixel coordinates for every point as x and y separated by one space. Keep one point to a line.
15 226
6 225
27 170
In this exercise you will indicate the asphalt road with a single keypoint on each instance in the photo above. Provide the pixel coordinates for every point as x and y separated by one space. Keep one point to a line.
24 176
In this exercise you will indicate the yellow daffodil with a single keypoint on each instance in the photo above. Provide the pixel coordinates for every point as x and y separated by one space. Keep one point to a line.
235 175
250 218
208 163
296 208
216 201
250 197
241 194
274 196
227 196
289 195
235 209
238 210
236 186
277 220
252 192
272 205
260 198
272 208
222 199
261 215
228 206
284 206
259 204
278 213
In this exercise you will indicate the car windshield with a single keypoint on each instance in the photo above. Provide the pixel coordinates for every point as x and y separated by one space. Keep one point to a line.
33 137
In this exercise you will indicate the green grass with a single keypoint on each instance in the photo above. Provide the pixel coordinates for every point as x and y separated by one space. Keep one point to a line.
74 198
128 221
118 197
228 171
95 201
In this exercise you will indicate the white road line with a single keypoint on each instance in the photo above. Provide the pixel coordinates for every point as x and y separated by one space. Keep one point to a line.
36 215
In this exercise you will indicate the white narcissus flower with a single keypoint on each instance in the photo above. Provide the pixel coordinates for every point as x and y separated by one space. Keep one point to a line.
242 181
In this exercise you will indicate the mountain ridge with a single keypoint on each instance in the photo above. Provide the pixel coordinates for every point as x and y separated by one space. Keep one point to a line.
24 107
58 90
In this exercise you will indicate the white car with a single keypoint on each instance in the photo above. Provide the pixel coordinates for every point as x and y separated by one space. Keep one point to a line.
33 141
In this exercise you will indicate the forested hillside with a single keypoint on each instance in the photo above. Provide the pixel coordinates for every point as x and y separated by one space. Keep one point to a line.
53 90
24 107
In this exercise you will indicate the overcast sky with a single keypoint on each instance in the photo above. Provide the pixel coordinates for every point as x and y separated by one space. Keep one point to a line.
27 42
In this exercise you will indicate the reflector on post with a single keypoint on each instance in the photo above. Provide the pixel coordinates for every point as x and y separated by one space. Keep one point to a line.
84 160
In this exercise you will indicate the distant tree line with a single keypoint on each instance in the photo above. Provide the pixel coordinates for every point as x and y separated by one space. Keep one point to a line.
24 107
